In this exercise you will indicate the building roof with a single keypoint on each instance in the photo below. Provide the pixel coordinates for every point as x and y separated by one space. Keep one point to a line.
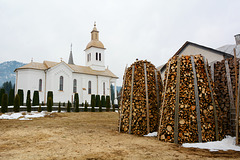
199 46
95 39
76 68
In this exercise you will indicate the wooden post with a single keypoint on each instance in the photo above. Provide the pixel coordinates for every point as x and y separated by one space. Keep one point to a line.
177 102
157 90
120 116
213 100
236 94
163 102
146 89
197 101
237 107
130 117
212 71
230 91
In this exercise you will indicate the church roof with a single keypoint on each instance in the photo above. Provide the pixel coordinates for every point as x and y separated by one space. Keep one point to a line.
95 39
76 68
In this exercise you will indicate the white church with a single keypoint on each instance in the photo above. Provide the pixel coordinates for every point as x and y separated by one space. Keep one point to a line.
66 79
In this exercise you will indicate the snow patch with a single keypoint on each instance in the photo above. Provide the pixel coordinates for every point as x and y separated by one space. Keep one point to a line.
24 115
228 143
153 134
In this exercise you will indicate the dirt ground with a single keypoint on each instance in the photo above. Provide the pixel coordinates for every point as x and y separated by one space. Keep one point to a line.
90 136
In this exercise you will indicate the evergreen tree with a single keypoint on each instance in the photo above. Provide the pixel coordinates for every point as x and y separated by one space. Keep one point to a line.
40 108
16 107
35 98
103 101
113 108
59 107
28 102
69 106
21 95
11 97
64 105
2 91
4 103
97 100
7 86
49 104
42 103
86 106
93 102
76 102
50 94
108 105
100 106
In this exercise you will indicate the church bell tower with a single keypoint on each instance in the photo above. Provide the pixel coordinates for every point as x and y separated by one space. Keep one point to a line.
94 52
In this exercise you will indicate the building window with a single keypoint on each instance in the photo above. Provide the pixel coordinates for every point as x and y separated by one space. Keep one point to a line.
40 84
89 56
61 84
74 86
96 56
100 58
89 87
103 88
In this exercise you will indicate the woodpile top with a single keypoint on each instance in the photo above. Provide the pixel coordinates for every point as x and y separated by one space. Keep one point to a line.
189 111
140 99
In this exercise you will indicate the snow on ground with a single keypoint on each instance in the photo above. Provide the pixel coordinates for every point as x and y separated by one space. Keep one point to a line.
23 115
228 143
153 134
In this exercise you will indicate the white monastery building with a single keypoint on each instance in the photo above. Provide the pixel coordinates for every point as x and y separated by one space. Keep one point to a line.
65 79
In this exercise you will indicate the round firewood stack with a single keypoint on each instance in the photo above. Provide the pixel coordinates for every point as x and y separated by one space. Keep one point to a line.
140 99
225 84
189 111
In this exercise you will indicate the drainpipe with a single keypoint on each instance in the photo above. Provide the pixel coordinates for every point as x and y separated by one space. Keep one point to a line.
45 86
16 82
97 84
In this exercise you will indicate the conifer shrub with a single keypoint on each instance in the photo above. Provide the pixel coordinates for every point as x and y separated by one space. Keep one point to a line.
16 107
49 104
69 107
113 109
2 91
100 106
108 105
28 101
103 101
35 98
59 107
86 106
76 102
64 105
39 108
11 97
50 94
4 103
97 100
20 93
93 102
43 103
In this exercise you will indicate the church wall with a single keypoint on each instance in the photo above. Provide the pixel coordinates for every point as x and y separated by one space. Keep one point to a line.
28 79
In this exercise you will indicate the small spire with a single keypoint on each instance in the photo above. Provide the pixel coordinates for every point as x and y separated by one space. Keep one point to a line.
61 59
94 23
32 60
70 60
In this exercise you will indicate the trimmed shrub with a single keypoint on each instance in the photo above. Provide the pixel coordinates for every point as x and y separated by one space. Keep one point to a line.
98 100
50 94
43 103
16 107
11 97
103 101
49 104
100 106
40 108
35 98
4 103
28 101
59 107
20 93
108 105
69 106
86 106
76 102
113 108
93 102
64 105
2 91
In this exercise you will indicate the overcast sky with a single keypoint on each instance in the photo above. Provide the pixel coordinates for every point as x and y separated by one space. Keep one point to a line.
129 29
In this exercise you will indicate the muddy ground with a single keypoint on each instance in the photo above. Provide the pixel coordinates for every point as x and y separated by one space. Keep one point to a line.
89 136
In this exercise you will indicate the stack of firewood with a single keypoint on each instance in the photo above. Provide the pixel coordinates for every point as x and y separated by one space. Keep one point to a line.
140 99
189 111
226 90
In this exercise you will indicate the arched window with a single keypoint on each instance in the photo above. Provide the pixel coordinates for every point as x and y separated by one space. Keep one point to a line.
100 58
96 56
74 86
89 87
40 85
89 56
103 88
61 83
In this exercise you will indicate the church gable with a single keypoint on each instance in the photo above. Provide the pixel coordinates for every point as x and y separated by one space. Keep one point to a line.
61 68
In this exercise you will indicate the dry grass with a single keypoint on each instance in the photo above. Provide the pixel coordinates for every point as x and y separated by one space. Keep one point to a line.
87 136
